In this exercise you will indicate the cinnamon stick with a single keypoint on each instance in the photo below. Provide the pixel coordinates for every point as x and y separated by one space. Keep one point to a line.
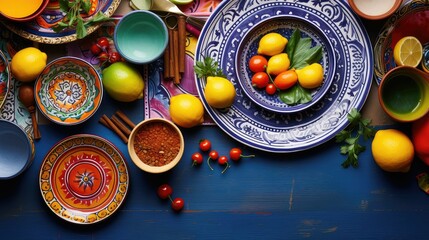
115 129
121 126
171 51
103 121
176 56
124 118
167 61
181 25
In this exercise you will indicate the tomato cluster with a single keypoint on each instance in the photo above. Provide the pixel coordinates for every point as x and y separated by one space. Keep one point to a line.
165 191
102 50
262 80
235 154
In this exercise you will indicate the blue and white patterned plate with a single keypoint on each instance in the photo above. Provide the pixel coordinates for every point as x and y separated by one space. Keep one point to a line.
285 25
263 129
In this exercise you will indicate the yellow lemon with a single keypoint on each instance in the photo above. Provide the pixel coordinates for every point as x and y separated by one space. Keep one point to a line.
186 110
278 64
27 64
123 82
19 8
392 150
272 44
219 92
408 51
310 76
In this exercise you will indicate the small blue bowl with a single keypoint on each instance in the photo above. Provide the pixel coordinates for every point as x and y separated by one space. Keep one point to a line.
16 150
140 37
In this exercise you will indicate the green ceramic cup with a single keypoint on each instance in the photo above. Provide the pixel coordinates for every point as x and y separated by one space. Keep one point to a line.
404 93
140 36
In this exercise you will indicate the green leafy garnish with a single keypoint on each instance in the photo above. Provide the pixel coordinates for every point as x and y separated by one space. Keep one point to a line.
73 18
300 52
358 127
208 67
296 94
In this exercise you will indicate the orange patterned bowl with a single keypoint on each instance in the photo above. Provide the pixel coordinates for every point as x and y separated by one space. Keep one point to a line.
68 91
84 179
22 11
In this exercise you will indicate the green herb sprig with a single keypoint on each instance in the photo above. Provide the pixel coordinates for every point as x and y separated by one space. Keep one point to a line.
73 18
358 128
208 67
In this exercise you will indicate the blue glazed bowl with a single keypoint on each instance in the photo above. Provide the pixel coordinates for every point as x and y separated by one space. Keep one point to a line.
141 37
16 150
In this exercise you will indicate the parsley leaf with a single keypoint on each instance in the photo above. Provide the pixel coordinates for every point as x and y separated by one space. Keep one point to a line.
208 67
351 136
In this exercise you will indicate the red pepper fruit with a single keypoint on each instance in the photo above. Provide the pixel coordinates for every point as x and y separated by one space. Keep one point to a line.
420 136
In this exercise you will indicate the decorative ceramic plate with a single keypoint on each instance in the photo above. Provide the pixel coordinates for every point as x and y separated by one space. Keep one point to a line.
263 129
411 19
5 78
68 91
284 25
40 29
84 179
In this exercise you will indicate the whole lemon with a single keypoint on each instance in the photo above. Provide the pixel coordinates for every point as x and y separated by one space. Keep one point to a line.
310 76
392 150
123 82
278 64
186 110
272 44
219 92
27 64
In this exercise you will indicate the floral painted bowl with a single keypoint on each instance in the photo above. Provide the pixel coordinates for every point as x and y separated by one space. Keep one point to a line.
284 25
4 78
68 91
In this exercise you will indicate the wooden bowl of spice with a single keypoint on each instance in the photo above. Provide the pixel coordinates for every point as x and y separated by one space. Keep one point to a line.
156 145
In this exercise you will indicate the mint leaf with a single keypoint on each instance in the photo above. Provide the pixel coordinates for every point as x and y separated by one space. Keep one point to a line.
300 51
295 95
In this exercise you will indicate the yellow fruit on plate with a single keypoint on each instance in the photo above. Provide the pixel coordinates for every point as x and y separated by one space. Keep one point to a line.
310 76
123 82
27 64
186 110
19 8
408 51
278 64
219 92
272 44
392 150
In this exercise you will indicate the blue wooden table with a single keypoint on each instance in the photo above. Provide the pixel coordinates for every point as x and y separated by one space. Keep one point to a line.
271 196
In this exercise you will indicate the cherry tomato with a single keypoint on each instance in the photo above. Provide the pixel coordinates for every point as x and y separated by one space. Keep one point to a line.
103 57
164 191
235 154
258 63
270 89
260 79
177 204
197 158
286 79
103 43
114 57
213 155
223 160
205 145
95 49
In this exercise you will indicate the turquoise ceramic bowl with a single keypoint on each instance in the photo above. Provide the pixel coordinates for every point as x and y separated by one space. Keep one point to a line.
16 150
404 93
140 36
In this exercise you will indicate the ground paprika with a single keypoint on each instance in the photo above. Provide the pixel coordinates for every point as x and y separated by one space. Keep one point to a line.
420 138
